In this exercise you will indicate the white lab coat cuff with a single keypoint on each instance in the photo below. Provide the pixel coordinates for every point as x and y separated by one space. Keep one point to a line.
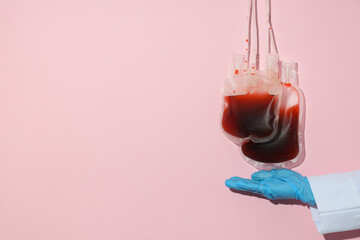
338 202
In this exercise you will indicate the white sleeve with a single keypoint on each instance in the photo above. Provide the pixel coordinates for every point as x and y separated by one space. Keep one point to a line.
337 198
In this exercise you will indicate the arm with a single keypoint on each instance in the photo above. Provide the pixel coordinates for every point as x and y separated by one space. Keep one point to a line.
334 199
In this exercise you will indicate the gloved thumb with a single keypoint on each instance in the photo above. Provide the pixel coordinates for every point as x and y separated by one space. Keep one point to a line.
261 175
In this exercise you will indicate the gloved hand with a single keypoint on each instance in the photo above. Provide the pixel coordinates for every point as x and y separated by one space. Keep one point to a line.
275 184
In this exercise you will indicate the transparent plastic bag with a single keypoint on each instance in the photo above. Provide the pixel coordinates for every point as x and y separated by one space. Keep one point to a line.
251 101
263 111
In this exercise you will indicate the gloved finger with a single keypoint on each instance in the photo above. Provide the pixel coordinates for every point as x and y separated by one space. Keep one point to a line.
261 175
243 184
236 178
286 173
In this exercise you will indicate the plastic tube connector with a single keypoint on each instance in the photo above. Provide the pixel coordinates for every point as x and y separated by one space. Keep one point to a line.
238 62
288 71
272 62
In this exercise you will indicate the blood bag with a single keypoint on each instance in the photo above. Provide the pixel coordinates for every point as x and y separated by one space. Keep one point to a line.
263 110
251 101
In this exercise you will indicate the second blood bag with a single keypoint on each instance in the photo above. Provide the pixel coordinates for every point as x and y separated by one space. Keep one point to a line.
286 148
263 110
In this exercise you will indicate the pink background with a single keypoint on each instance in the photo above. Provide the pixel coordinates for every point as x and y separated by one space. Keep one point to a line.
109 116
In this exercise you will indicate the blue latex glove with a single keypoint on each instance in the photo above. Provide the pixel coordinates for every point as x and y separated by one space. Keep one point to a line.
275 184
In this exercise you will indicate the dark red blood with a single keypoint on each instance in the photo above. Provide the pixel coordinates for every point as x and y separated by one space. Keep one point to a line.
283 146
250 114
